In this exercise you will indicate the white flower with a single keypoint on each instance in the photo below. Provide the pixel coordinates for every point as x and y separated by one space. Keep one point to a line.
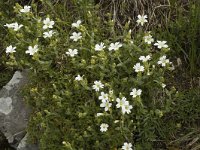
145 59
32 50
48 23
104 96
104 127
97 85
10 49
106 105
163 61
26 9
115 46
126 108
9 25
72 52
148 39
99 114
121 102
142 19
78 78
15 26
99 47
138 68
116 121
136 92
127 146
76 24
161 44
48 34
76 36
163 85
64 143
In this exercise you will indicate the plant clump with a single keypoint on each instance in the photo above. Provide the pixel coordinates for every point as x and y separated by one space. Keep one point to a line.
91 87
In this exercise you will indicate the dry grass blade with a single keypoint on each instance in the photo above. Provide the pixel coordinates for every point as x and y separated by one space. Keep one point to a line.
196 147
194 141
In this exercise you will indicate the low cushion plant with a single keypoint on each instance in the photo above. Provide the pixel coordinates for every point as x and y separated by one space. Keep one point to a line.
91 86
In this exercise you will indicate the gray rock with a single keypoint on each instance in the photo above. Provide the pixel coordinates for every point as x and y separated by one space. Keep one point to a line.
14 113
6 105
23 145
14 81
